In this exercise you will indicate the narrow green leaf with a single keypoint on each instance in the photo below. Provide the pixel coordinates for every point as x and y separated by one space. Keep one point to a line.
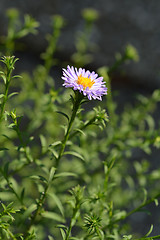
43 140
61 226
40 178
11 125
55 154
119 215
22 194
4 207
50 237
51 174
72 99
7 137
43 143
17 76
28 212
4 78
6 167
1 95
74 154
80 131
53 216
73 238
156 202
150 230
64 114
127 237
4 149
55 143
65 174
57 202
12 94
145 195
63 233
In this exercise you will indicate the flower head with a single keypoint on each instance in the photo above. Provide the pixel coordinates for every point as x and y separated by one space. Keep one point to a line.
86 82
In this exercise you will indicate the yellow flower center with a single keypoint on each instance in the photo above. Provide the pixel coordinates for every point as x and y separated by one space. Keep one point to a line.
85 82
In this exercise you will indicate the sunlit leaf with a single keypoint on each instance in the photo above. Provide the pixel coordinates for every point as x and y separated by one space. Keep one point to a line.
52 215
55 143
57 202
1 95
40 178
51 174
150 230
12 94
28 211
74 154
65 174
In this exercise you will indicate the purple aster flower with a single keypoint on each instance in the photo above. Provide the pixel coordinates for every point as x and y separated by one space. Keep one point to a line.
86 82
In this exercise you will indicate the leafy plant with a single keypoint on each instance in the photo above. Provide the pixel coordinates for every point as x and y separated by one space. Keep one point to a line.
68 168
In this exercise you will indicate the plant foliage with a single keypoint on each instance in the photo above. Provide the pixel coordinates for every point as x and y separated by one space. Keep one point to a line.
68 167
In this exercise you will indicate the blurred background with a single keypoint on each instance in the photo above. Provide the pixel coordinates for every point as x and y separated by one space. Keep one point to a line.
118 23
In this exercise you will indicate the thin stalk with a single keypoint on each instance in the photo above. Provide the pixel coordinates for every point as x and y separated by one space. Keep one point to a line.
90 122
22 142
71 224
9 62
142 205
11 234
12 189
117 63
99 235
8 78
29 161
138 208
76 105
148 238
37 211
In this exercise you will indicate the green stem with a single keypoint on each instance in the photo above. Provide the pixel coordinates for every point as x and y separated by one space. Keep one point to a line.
148 238
138 208
29 161
12 189
142 205
117 64
98 233
22 142
37 211
90 122
8 78
11 234
76 105
71 222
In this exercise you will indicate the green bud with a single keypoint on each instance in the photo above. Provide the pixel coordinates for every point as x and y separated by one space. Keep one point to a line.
131 53
58 21
90 14
12 13
13 115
